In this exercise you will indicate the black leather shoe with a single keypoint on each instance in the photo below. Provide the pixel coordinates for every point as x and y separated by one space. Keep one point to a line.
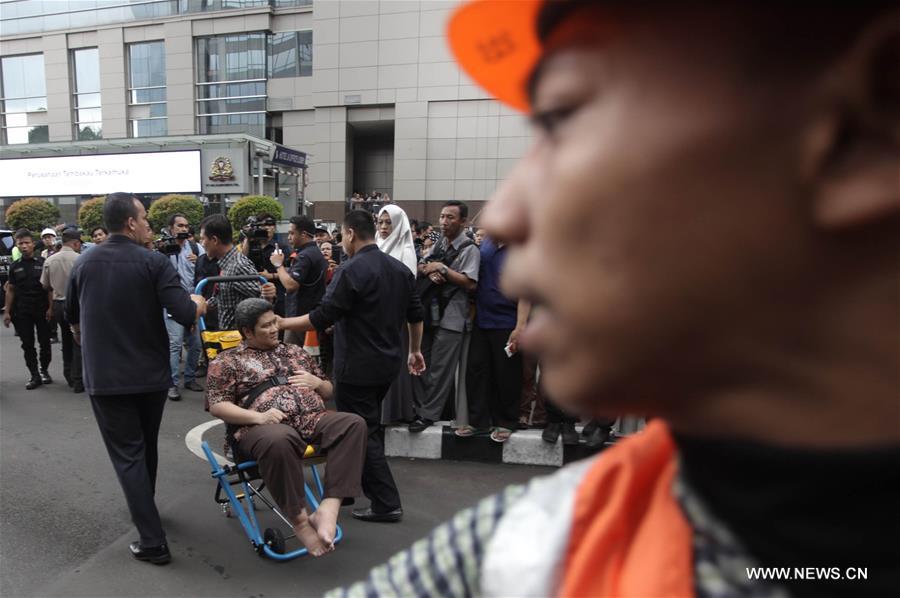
78 388
569 434
158 555
45 377
597 437
34 382
368 514
192 385
420 425
551 433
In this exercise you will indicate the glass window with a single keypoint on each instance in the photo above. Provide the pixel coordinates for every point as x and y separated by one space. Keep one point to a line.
147 89
24 93
231 84
290 54
86 76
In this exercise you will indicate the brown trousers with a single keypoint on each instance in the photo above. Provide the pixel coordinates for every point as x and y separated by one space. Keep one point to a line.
278 449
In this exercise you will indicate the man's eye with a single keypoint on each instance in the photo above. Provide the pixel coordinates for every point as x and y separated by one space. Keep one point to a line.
550 120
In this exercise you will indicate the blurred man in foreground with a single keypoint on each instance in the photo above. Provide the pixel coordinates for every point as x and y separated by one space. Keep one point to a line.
734 168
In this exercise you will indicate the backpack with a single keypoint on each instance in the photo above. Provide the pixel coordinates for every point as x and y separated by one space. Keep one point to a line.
436 297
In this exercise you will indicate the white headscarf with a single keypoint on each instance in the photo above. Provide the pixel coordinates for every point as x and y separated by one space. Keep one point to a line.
399 244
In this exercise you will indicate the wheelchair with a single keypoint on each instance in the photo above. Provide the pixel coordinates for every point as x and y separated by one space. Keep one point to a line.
270 542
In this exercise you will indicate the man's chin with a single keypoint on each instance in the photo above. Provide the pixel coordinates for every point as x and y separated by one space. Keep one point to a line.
577 394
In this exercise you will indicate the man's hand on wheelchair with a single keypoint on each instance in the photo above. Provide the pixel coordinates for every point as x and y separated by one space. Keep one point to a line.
272 416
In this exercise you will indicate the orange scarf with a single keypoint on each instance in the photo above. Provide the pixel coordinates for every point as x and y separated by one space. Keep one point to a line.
629 536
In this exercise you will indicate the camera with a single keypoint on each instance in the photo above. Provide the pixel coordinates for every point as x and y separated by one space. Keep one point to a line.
167 244
257 235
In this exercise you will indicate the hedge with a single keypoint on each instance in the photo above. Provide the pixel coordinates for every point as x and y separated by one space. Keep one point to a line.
90 214
165 206
31 213
252 205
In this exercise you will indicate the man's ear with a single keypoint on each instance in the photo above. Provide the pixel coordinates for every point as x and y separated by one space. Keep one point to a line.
853 150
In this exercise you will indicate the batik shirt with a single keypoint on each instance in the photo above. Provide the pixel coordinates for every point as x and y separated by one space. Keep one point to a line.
234 373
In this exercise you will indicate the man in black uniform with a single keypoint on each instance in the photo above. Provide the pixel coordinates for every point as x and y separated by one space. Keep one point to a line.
28 308
115 302
370 298
304 281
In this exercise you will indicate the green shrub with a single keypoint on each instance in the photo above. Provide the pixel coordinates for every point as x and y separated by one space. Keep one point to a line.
32 213
252 205
90 214
165 206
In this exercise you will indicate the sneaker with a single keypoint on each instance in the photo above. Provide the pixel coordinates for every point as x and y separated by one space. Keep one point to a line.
45 377
194 386
174 395
420 425
569 434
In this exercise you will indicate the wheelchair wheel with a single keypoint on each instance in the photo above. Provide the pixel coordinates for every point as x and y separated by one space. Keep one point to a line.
274 539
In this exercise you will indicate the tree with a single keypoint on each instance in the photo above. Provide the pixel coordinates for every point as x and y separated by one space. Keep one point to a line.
32 213
165 206
90 215
251 205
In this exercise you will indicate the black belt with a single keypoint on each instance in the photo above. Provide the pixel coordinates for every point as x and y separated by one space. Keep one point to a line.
59 301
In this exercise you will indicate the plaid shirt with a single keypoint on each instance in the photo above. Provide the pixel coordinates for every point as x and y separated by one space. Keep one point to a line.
229 294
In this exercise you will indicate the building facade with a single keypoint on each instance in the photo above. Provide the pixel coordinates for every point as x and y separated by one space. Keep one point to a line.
367 89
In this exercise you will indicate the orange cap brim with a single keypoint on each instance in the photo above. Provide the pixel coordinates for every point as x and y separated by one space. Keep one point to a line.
496 43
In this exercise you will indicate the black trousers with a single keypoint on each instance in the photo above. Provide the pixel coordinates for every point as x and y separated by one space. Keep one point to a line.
377 481
493 380
26 322
129 425
65 337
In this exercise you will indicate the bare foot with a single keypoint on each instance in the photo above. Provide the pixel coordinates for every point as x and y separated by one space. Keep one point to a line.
325 520
307 535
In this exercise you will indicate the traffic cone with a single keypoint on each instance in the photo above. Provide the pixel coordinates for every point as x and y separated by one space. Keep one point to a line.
311 343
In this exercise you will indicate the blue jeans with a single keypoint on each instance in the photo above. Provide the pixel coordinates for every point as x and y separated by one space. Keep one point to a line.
177 334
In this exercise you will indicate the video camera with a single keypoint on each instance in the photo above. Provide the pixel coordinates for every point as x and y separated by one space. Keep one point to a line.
167 244
257 235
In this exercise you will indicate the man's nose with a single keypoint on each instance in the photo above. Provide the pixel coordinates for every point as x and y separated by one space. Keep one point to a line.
505 218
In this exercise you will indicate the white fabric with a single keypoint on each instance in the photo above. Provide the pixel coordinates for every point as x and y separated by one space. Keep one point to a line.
527 549
399 244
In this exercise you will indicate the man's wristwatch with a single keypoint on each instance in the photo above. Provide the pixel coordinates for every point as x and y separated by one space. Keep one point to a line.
444 271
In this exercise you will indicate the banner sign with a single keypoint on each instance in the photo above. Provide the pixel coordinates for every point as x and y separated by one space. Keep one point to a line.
99 174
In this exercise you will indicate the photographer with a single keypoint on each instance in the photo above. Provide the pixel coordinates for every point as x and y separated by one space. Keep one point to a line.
258 244
183 254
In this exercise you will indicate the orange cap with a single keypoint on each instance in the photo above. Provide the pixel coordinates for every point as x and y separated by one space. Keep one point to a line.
496 43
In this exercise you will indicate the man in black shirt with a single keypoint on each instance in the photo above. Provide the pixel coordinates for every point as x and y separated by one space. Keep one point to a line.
115 302
27 306
305 280
370 298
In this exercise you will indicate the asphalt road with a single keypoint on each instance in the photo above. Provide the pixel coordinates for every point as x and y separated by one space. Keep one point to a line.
65 530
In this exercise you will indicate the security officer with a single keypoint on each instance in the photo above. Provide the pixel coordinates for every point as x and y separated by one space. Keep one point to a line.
28 308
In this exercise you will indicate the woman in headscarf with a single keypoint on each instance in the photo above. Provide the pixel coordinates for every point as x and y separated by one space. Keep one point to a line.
394 237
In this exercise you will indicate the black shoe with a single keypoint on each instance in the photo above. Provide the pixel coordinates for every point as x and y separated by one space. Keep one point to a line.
589 428
45 377
569 434
597 437
174 395
78 388
158 555
192 385
420 425
34 382
368 514
551 433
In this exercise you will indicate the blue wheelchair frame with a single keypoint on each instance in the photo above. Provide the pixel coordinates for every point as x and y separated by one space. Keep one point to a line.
270 542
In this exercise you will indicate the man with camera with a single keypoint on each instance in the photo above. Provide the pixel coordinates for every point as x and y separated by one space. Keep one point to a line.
258 244
304 281
183 254
453 268
216 238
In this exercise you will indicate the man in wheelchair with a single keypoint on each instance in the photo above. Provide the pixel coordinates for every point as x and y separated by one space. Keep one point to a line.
271 396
